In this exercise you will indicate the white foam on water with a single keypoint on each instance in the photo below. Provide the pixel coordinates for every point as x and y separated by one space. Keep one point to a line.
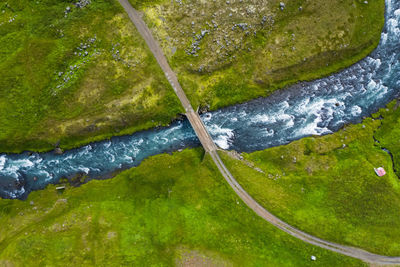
139 142
14 166
172 129
223 136
53 161
389 6
313 129
302 106
377 62
356 110
11 170
44 173
15 193
283 105
383 90
241 114
85 150
3 160
22 163
264 118
112 157
84 169
48 176
269 133
126 158
392 26
107 144
206 117
384 38
285 118
69 157
222 141
371 85
317 108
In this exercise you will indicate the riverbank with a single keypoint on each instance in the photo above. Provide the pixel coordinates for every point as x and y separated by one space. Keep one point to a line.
142 217
72 75
109 92
229 52
326 186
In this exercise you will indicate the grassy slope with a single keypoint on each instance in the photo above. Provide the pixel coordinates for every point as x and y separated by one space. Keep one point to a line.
238 65
109 94
331 191
147 218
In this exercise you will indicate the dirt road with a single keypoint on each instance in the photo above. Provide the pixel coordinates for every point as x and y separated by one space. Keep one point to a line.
193 117
211 148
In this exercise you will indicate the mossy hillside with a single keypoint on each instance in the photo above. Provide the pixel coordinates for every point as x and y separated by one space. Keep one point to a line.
226 52
327 186
143 217
73 75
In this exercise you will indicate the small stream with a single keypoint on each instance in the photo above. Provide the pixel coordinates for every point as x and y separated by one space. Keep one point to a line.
311 108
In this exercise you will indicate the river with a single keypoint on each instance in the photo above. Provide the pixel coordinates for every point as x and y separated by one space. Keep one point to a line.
310 108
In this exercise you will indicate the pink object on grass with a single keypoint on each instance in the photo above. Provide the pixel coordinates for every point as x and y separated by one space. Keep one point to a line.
380 171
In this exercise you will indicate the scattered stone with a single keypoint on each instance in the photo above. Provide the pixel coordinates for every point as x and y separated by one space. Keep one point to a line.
264 19
313 258
282 5
82 3
58 151
31 203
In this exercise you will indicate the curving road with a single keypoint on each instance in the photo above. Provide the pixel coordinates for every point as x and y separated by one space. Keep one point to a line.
210 147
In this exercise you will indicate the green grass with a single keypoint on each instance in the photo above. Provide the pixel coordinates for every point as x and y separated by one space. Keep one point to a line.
332 191
235 65
144 217
109 94
119 94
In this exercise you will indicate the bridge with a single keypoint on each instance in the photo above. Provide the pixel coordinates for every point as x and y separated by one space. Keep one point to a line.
210 147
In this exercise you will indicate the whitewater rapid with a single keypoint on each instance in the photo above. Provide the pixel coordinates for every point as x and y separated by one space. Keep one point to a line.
309 108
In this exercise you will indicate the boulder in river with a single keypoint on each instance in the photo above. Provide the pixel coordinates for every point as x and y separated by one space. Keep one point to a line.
58 151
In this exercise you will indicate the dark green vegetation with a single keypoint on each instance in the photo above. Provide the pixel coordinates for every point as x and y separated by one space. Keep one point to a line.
143 217
75 75
226 52
327 186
